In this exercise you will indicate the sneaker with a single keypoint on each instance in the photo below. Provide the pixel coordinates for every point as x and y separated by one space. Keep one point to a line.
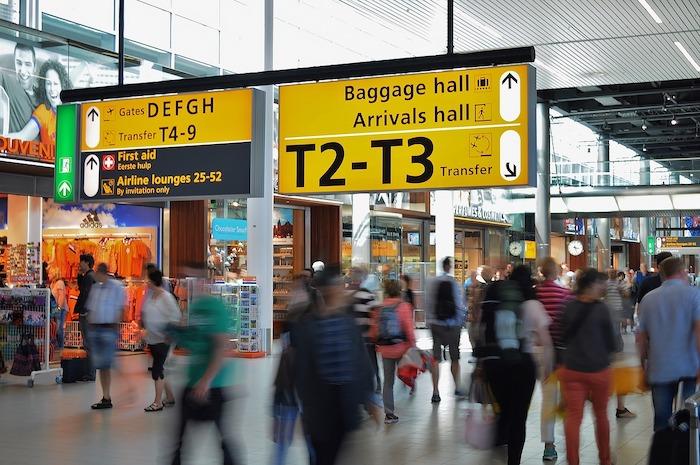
624 413
550 454
101 405
435 399
391 419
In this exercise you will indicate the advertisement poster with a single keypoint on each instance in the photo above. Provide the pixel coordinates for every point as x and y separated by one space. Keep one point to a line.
692 224
282 223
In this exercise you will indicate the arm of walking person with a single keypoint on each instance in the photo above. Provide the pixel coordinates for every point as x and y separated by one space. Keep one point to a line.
201 388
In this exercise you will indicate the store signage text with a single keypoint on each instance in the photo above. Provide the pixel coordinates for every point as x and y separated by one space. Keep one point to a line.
443 130
478 213
225 229
30 148
186 146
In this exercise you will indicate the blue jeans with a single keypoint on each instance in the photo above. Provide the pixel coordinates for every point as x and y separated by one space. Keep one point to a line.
662 396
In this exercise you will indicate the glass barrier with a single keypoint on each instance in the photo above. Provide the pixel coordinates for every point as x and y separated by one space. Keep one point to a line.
626 172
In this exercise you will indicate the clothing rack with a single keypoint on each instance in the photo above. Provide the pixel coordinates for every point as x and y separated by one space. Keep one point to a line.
91 235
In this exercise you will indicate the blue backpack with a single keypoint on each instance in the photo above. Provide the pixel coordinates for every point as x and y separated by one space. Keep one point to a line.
389 327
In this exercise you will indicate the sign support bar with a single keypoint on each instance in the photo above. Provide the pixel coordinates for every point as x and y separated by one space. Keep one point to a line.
310 74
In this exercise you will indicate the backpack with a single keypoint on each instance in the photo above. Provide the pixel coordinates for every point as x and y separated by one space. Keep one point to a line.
389 331
445 306
501 321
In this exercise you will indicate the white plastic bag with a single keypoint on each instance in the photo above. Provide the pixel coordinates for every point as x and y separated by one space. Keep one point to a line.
481 426
412 358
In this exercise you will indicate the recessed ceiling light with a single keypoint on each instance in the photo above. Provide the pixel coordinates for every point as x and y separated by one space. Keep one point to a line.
651 11
688 57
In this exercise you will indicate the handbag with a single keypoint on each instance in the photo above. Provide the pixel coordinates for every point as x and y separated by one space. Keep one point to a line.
26 357
628 380
482 418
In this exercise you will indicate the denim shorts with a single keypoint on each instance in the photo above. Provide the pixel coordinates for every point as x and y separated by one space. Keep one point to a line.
103 346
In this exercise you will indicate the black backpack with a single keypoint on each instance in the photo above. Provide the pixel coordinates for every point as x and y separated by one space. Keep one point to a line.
445 305
501 322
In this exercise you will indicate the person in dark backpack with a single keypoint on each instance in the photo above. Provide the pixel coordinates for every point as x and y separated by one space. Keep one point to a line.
392 330
512 321
446 313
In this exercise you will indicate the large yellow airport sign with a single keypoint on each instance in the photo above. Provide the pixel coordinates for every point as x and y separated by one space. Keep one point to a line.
444 130
168 120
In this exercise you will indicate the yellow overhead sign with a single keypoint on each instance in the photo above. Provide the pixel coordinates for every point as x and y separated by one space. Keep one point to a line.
442 130
169 120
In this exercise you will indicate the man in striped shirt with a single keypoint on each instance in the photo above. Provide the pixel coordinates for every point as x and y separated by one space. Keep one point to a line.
363 302
552 296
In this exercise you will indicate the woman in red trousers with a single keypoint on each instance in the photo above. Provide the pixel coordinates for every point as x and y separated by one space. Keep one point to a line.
590 342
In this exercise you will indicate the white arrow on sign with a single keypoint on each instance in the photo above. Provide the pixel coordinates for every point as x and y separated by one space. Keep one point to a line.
92 127
509 84
510 155
65 189
91 176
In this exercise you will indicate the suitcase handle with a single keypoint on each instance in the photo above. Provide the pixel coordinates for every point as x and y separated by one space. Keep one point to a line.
692 403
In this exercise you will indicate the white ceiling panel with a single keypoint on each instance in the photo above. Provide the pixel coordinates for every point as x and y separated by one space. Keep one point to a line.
578 43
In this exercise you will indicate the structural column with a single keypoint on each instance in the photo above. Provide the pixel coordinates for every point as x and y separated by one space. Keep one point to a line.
444 227
543 220
361 249
603 224
645 229
260 209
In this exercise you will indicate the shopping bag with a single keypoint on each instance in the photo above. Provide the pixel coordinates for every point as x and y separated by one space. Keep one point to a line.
481 426
628 380
412 358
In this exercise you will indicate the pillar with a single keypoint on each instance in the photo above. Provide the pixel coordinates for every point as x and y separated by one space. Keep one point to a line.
260 209
444 227
645 227
603 227
543 219
361 245
604 177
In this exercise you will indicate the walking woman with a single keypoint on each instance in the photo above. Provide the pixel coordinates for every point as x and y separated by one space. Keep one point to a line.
159 310
513 322
392 329
590 342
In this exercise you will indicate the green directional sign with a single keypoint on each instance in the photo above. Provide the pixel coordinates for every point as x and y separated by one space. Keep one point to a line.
651 245
65 175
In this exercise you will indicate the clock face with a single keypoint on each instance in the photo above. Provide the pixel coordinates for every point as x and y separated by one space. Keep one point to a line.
575 248
515 249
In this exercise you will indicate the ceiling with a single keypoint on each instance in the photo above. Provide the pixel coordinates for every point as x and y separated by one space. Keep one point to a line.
641 117
578 43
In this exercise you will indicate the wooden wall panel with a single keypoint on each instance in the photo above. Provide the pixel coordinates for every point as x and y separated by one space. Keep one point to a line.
299 234
635 255
189 235
325 234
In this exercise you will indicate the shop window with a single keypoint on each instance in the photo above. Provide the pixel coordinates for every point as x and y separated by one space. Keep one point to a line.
194 68
205 12
195 41
95 14
147 24
77 32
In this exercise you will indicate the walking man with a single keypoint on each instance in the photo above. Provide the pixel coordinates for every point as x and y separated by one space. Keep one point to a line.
553 296
105 309
445 314
86 279
669 338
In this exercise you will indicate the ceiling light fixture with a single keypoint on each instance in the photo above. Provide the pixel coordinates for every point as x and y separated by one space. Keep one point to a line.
644 148
644 125
651 11
687 56
674 121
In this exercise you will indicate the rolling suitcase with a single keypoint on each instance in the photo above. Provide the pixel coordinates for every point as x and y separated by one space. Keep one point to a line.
679 443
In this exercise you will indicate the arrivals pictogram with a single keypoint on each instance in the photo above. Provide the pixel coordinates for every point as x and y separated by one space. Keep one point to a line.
482 112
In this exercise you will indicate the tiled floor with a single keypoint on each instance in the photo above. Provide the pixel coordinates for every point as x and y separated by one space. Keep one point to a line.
52 424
